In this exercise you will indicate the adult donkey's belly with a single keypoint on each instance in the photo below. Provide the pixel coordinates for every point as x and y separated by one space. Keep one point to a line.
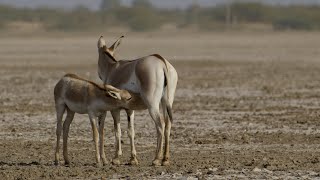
124 77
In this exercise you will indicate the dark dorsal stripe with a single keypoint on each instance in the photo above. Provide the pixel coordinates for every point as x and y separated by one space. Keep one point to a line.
82 79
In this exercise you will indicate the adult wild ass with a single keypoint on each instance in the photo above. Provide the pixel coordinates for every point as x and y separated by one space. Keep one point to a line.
76 95
155 79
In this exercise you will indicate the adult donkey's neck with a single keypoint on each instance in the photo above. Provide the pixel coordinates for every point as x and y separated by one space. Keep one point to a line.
106 64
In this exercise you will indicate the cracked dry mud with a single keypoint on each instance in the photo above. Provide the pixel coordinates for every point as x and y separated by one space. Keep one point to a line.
232 119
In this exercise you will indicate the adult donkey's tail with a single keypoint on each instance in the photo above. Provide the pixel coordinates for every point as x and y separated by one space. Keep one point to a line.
171 79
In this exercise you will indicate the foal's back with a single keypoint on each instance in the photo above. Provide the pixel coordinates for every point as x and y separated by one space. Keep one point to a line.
75 92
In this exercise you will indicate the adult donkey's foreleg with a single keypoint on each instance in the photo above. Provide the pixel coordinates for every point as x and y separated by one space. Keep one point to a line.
117 131
131 134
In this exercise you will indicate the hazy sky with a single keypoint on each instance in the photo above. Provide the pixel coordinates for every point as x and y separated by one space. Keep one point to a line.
94 4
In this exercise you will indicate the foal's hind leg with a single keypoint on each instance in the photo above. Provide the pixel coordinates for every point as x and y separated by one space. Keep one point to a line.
66 127
95 134
60 108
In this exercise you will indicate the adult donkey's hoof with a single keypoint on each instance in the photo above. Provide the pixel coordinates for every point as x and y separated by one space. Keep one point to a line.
165 163
67 163
116 161
157 162
134 161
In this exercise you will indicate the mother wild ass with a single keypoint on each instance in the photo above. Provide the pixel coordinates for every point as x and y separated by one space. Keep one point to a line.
155 79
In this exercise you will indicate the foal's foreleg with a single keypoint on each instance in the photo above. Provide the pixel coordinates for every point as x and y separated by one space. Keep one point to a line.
95 138
101 140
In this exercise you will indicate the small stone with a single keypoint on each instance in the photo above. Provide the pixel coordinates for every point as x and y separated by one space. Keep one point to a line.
256 169
212 170
267 171
312 173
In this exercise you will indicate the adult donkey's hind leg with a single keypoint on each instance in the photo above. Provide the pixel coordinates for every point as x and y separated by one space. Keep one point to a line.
159 124
152 100
166 103
152 86
167 130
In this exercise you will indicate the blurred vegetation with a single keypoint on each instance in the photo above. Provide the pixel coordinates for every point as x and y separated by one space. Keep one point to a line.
142 16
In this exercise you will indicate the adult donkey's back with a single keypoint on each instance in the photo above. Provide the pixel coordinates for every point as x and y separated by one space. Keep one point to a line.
155 79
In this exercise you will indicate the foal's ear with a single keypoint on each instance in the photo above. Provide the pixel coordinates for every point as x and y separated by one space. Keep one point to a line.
115 45
112 91
114 94
125 95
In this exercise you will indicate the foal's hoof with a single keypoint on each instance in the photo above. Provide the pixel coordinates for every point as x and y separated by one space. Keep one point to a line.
98 165
156 162
165 163
56 163
134 161
116 161
105 162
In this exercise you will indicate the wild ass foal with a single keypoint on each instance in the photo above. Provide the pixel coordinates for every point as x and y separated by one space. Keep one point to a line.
155 80
77 95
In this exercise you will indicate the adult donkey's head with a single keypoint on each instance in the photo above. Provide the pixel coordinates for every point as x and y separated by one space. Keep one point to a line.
103 48
106 57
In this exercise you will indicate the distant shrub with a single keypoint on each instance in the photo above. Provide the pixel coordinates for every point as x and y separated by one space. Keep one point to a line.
139 18
142 16
78 20
250 12
293 23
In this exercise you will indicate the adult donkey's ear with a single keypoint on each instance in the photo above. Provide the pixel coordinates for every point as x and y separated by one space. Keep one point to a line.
115 45
101 42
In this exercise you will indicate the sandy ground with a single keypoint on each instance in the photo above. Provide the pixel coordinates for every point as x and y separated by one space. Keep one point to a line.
246 107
